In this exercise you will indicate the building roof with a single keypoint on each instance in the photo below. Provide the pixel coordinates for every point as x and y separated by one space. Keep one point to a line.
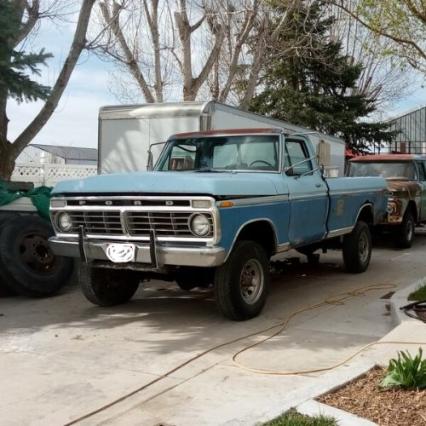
69 152
388 157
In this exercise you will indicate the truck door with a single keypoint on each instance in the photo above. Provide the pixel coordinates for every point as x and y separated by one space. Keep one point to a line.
307 194
422 181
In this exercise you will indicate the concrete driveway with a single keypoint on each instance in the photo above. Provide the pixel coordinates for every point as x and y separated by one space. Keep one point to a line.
62 358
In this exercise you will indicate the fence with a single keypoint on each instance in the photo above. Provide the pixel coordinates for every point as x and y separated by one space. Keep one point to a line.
50 174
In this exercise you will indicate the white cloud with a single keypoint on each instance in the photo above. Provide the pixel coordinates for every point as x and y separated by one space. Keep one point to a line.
74 123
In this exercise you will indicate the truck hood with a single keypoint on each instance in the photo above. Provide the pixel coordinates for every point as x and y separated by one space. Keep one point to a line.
216 184
411 187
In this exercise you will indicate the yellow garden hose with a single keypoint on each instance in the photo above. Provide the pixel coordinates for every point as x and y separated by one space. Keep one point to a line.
279 327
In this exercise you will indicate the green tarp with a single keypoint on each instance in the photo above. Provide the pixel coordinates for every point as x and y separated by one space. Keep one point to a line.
40 197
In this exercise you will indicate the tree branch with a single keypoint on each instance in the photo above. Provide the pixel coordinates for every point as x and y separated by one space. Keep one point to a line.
380 31
51 103
33 11
131 63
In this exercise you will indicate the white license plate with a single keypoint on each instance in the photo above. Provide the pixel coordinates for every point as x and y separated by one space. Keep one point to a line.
120 253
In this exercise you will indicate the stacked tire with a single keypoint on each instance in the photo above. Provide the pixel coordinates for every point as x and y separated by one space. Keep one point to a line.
27 264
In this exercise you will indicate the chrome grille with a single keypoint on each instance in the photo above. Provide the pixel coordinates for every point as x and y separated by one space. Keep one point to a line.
102 222
136 223
164 224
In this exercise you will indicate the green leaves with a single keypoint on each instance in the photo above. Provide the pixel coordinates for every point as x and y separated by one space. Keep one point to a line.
314 84
16 65
406 372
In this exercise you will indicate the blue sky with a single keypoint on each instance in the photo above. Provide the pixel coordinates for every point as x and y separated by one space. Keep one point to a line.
75 121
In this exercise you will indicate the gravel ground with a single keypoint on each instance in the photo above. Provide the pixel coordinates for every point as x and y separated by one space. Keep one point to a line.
364 398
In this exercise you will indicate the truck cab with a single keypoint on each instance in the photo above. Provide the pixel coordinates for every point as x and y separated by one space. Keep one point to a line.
217 206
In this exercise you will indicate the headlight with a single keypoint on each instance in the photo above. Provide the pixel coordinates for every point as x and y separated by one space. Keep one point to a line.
64 222
199 225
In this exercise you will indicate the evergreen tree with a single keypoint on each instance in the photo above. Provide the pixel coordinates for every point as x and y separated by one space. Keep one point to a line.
14 64
315 85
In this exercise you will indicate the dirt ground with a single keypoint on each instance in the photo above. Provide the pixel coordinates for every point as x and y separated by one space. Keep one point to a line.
364 398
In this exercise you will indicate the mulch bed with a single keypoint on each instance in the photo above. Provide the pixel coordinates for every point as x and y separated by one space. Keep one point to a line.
364 398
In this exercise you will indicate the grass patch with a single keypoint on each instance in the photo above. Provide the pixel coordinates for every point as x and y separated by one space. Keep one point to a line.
419 294
293 418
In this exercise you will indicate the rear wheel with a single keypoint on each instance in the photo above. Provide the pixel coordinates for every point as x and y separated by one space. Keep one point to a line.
357 247
404 235
108 287
241 284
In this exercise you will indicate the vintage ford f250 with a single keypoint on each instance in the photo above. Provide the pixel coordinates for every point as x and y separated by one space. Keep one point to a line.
215 209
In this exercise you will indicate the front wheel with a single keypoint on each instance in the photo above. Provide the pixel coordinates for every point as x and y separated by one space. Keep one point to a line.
404 235
357 248
242 283
108 287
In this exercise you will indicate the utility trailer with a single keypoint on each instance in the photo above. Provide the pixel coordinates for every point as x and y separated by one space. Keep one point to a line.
126 132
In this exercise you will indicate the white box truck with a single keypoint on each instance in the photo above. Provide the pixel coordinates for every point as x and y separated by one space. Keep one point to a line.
127 131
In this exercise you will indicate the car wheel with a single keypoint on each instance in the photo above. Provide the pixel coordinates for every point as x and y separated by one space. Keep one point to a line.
28 265
404 235
108 287
357 247
4 289
242 283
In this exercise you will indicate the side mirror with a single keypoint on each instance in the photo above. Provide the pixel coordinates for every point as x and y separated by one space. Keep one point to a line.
289 171
149 165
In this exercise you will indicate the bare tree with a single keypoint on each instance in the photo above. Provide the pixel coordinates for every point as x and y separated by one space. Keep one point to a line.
31 13
401 22
383 78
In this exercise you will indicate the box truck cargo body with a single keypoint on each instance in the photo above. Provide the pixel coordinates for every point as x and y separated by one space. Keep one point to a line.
127 131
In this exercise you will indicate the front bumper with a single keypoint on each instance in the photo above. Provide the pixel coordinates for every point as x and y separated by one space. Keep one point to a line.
164 255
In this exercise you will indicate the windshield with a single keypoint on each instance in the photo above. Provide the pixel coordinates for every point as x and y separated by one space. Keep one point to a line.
388 169
222 153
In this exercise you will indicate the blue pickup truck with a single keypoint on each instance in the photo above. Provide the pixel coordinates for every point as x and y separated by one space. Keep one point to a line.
217 206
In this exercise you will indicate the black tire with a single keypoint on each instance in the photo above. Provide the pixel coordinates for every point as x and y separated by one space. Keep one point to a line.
190 278
4 289
404 234
27 262
357 247
232 301
108 287
5 217
185 285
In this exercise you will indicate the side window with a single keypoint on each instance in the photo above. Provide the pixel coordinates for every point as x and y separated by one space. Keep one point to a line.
296 153
422 170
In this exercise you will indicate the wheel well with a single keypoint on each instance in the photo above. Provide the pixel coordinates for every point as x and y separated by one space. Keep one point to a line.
366 214
412 206
262 232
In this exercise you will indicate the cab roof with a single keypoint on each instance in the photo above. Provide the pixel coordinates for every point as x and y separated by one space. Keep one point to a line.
225 132
387 157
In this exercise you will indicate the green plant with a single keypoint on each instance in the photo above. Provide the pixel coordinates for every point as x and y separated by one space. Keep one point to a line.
419 294
293 418
406 372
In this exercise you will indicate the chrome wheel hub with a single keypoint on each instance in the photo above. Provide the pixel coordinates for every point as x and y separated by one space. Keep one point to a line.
252 281
363 247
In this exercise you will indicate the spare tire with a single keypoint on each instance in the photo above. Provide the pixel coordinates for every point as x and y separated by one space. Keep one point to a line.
4 218
27 262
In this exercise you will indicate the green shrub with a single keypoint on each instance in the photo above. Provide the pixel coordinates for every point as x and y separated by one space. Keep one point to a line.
419 294
293 418
406 372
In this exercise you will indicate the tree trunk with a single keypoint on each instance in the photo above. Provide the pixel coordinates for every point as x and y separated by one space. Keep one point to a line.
7 160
